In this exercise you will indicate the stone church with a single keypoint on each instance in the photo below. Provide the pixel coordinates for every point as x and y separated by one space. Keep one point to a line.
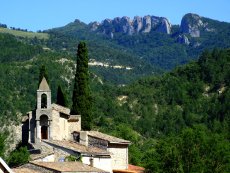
50 121
55 135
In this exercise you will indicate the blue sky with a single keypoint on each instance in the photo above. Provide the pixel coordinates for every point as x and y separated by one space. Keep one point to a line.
46 14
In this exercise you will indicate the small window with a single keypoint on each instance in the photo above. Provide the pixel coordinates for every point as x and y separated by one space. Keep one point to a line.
44 101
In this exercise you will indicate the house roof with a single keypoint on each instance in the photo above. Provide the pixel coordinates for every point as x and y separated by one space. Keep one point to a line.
40 156
31 168
131 169
25 170
78 147
110 139
44 85
68 166
137 169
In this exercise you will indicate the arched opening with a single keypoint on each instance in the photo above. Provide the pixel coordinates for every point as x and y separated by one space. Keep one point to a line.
44 101
44 126
44 132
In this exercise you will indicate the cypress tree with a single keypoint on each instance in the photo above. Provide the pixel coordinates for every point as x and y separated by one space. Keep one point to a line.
61 97
81 93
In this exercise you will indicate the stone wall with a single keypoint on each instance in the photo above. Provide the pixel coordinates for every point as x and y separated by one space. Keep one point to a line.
98 162
119 154
61 127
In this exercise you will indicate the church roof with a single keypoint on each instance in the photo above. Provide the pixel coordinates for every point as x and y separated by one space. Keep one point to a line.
61 109
79 147
44 85
110 139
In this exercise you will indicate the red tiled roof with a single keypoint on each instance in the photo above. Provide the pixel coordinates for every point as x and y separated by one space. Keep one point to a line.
131 169
137 169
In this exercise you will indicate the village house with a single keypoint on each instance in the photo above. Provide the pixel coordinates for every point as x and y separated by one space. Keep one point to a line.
56 135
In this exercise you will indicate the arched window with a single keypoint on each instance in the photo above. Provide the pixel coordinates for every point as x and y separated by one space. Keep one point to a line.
44 101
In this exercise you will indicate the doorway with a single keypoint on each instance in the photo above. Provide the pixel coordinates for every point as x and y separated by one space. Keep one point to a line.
44 126
44 132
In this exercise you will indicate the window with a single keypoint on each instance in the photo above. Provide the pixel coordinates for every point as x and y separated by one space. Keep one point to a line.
44 101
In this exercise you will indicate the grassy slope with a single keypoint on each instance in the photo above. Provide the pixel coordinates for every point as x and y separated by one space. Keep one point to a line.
24 34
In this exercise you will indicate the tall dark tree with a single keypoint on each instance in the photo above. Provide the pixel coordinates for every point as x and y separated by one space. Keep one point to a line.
61 97
43 73
81 92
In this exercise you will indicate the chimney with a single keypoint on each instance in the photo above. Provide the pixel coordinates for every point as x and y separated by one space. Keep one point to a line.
84 138
91 161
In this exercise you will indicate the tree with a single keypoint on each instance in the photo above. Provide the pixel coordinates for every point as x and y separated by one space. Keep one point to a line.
2 144
61 97
194 150
81 93
18 157
43 73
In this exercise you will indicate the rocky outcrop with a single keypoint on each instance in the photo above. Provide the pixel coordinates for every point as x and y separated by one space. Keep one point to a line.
183 39
94 26
193 24
129 26
164 26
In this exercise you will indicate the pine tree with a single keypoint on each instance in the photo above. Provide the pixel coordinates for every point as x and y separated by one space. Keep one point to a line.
61 97
81 92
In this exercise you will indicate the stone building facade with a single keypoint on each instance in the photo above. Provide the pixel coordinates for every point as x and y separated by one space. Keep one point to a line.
49 121
57 134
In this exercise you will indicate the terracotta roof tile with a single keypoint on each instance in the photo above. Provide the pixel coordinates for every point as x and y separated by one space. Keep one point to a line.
108 138
137 169
25 170
79 147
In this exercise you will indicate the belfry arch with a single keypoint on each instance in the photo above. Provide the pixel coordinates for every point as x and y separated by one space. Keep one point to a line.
43 101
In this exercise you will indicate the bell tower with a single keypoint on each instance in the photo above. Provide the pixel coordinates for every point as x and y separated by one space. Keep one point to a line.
43 111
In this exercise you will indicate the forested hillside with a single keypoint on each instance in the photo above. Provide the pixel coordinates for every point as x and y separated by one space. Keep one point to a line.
166 50
161 115
178 121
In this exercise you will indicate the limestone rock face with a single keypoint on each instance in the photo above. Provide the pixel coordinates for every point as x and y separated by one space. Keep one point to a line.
147 24
128 26
164 26
137 24
183 39
94 26
193 24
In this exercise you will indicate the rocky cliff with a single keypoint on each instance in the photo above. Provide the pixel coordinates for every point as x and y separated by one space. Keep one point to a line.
193 25
129 26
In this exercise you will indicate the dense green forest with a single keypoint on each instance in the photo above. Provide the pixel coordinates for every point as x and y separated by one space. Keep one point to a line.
177 122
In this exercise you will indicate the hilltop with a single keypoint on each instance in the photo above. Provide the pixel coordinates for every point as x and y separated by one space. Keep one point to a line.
141 46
